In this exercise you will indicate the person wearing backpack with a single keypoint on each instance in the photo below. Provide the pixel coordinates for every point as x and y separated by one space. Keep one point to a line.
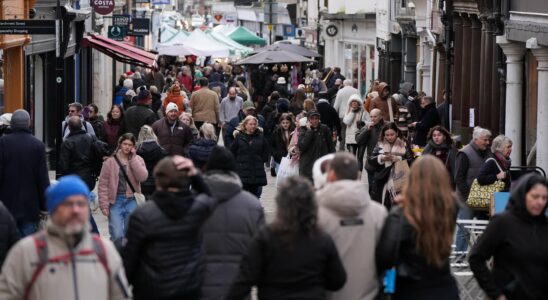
64 261
74 110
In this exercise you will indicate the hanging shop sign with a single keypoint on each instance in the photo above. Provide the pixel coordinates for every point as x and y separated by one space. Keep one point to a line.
102 7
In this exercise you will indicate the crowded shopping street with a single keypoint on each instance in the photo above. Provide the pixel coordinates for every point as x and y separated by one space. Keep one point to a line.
273 149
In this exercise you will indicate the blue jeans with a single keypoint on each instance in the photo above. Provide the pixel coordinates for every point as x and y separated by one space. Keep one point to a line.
465 213
26 228
118 218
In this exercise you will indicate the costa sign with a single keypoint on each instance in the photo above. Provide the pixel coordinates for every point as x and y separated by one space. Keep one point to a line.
102 7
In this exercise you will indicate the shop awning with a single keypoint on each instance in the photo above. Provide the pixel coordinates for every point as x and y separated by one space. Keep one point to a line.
245 37
119 51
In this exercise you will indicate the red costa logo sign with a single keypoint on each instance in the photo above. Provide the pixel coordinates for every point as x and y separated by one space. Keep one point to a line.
102 7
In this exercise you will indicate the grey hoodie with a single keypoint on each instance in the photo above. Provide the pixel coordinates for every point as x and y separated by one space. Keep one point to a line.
347 213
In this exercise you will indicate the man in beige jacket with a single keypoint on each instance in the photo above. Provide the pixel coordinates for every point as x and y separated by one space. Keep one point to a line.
347 213
205 105
64 261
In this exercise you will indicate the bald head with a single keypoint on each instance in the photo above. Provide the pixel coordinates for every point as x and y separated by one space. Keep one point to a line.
74 124
347 82
376 115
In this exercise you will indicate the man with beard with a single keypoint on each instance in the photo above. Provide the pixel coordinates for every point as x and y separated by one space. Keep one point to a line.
173 135
64 261
230 106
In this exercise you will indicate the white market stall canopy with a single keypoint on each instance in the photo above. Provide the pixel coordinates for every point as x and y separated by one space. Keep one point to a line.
197 43
236 49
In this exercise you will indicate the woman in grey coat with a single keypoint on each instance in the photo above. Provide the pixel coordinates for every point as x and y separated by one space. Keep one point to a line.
229 230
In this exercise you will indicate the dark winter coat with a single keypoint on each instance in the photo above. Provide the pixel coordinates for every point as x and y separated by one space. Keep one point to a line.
98 127
111 129
306 270
23 175
135 117
329 116
156 102
228 232
228 137
199 151
279 145
415 110
313 144
430 118
152 153
447 153
415 279
251 152
518 243
175 141
489 170
163 257
9 234
369 137
75 157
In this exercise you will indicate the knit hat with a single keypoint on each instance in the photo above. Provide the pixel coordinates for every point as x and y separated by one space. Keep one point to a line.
281 80
143 96
20 119
220 159
66 186
171 106
282 105
248 104
5 119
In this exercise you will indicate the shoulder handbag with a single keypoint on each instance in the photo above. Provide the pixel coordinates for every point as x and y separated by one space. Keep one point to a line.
139 197
479 197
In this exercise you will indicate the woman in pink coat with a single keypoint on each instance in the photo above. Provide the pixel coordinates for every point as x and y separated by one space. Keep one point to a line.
120 172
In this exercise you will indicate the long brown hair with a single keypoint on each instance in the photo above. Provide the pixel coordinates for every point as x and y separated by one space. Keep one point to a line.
429 206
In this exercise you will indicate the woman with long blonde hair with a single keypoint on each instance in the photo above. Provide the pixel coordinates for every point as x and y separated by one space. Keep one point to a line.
417 236
251 151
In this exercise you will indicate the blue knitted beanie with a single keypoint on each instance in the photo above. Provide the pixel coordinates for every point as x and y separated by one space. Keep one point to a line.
66 186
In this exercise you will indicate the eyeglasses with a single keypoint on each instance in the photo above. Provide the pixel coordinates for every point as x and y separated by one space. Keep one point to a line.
71 204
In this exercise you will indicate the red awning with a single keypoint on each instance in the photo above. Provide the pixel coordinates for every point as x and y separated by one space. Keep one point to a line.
120 51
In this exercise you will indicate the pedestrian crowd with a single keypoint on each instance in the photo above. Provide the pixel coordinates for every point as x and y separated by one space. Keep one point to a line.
185 218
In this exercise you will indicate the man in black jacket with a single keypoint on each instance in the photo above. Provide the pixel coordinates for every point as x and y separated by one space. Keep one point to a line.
137 116
75 156
315 141
163 257
23 173
430 118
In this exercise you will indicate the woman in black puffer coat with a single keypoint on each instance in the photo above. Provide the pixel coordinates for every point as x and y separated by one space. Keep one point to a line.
151 152
251 151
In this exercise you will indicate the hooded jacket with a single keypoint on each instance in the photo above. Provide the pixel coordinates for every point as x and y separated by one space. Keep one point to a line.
174 96
163 256
518 243
355 222
342 99
228 232
135 117
78 274
382 104
354 120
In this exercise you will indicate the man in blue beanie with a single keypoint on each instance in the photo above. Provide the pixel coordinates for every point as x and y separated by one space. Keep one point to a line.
38 264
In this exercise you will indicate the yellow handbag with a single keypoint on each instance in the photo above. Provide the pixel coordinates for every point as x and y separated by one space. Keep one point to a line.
480 195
